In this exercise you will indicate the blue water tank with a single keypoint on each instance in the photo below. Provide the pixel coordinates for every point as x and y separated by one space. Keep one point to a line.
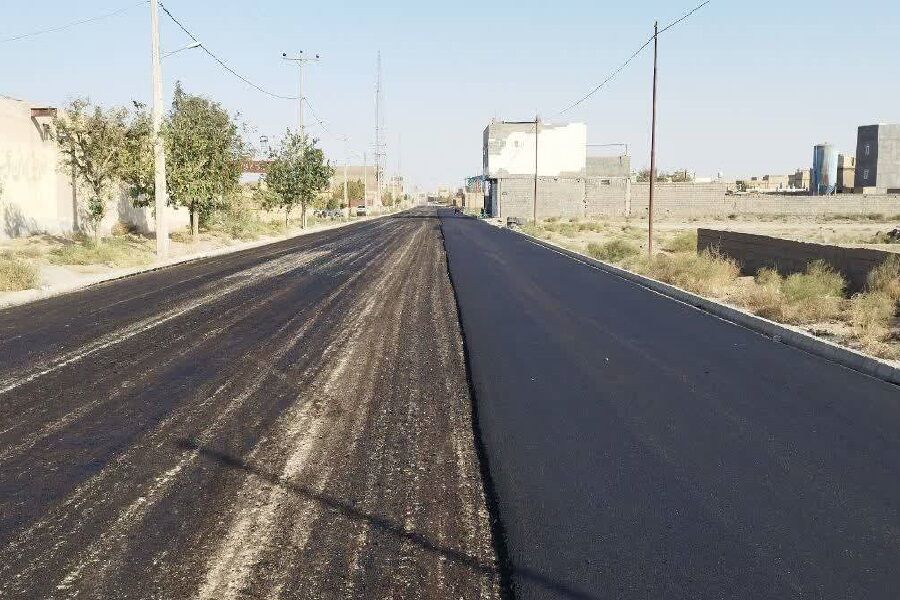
824 170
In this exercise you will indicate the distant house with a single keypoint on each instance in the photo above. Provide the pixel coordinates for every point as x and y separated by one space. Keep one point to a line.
878 159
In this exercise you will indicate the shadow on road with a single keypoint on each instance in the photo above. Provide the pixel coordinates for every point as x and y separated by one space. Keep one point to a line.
385 525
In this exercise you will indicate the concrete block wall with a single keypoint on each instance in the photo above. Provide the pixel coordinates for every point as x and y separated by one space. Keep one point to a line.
606 197
610 197
557 197
754 252
681 200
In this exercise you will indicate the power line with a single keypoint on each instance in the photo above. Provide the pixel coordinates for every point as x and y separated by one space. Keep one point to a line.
57 28
612 75
221 62
317 119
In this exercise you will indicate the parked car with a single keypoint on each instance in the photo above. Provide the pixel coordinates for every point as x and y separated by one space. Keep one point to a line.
361 210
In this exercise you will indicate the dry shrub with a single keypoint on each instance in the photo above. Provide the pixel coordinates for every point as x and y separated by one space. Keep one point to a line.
886 278
613 251
708 273
870 318
816 295
17 274
685 241
764 297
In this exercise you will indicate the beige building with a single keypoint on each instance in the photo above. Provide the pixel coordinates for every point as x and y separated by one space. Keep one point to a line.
846 173
365 174
800 180
36 196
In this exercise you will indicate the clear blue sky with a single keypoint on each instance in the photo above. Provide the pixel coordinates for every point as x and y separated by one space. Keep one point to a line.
745 87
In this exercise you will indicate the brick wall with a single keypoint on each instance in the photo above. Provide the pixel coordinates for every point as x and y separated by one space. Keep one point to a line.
754 252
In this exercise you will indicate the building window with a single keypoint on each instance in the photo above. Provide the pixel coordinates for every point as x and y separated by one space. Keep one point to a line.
865 174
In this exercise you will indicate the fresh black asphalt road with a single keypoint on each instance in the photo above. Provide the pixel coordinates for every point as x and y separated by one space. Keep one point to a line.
295 421
640 448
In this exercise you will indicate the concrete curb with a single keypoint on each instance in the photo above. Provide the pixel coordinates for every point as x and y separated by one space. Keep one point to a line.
28 296
801 340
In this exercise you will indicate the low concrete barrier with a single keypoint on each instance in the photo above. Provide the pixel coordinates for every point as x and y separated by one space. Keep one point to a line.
754 252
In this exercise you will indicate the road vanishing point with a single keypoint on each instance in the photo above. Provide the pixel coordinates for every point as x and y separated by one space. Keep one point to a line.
427 406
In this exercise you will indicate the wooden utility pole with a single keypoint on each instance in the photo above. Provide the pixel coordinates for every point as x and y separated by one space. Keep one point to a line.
652 146
534 203
160 193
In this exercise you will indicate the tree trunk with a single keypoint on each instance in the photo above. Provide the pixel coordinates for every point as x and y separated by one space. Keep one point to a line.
287 211
195 223
303 215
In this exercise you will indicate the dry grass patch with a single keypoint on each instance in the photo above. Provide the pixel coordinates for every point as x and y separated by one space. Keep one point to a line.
800 298
118 251
886 278
614 250
685 241
17 273
707 273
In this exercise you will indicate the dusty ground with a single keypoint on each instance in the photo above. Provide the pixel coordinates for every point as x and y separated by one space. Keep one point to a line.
292 421
839 231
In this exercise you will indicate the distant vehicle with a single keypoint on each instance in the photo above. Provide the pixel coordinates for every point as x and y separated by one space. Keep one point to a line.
361 210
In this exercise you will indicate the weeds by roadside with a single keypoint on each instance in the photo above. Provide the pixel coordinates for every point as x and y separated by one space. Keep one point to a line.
17 273
613 251
117 251
707 273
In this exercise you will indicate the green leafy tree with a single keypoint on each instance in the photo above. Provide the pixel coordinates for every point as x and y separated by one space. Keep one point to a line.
91 139
136 161
204 154
297 174
355 192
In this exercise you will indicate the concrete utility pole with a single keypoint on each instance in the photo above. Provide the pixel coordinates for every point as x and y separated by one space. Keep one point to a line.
652 146
161 196
300 59
534 203
379 151
346 185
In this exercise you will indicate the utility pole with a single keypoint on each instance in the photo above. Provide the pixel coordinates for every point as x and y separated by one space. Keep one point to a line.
160 195
379 152
346 185
534 203
300 59
652 145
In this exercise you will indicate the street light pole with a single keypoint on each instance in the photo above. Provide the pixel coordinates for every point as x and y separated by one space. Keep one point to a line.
300 59
161 195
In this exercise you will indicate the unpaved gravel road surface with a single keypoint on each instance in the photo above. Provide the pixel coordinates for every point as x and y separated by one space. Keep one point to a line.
292 421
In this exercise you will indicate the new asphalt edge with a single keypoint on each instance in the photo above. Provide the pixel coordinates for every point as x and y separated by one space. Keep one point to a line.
498 533
845 357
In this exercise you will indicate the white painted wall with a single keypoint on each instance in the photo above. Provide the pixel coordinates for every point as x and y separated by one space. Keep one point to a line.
562 149
37 196
34 194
